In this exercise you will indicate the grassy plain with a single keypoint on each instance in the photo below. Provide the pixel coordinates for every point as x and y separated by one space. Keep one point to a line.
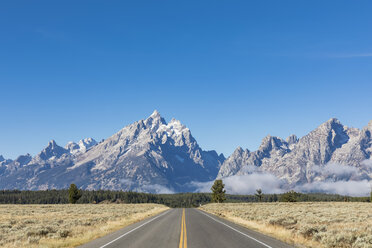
304 224
66 225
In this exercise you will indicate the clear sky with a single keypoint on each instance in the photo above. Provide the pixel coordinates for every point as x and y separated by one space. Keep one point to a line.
232 71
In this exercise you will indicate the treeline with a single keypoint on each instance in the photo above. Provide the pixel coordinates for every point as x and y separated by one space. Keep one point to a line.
103 196
171 200
292 196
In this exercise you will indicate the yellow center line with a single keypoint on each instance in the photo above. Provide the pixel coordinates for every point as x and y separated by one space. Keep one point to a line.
184 224
183 238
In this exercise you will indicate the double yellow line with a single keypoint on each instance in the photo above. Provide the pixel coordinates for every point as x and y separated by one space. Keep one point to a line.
183 238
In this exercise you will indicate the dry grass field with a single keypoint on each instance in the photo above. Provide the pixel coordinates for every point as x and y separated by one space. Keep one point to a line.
66 225
305 224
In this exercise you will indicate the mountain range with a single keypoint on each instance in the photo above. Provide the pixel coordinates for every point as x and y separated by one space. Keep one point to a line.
149 155
152 155
331 152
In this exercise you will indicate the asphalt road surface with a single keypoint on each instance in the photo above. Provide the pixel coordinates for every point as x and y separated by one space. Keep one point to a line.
182 228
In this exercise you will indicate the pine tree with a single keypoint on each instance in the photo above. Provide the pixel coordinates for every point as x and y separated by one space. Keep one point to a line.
259 194
290 196
218 192
74 194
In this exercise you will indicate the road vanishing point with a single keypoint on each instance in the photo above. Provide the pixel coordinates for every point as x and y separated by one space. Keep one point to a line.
185 228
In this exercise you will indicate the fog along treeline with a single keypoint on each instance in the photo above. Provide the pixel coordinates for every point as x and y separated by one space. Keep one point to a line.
171 200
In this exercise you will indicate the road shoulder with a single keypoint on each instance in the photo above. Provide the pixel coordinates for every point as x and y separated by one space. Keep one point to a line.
260 237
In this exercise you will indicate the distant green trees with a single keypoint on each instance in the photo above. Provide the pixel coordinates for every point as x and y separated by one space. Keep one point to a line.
290 196
179 200
74 194
218 191
259 194
97 196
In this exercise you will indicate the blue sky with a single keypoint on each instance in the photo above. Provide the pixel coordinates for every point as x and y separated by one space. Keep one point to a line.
232 71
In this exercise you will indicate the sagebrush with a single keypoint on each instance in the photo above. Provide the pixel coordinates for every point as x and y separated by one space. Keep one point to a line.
66 225
320 224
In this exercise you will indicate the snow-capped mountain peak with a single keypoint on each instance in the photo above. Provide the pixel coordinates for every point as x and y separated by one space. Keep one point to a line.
154 121
82 146
174 129
291 139
52 143
369 125
72 147
298 161
145 153
52 150
23 159
152 155
87 143
4 161
155 114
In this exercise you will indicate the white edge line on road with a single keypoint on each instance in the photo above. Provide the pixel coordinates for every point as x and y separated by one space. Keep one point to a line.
236 230
112 241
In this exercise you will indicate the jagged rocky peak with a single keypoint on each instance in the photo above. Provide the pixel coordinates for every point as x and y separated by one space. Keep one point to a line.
330 142
174 129
330 133
4 161
272 143
52 150
369 126
291 139
52 144
332 124
239 151
176 124
146 152
335 131
87 143
239 159
154 120
23 159
72 147
82 146
318 146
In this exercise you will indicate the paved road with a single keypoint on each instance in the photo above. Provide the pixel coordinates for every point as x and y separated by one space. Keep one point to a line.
182 228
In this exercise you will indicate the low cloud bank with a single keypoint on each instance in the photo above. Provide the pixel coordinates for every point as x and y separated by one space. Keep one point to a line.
157 189
150 188
330 178
367 163
351 188
337 170
246 184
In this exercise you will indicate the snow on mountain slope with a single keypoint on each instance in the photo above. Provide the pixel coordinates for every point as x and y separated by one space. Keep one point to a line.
82 146
148 155
330 152
152 155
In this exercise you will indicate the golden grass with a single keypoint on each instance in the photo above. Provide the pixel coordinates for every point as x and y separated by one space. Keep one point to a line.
67 225
304 224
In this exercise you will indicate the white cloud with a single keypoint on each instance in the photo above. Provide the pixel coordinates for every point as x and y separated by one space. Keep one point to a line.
157 189
331 178
352 188
246 184
367 164
152 188
336 170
